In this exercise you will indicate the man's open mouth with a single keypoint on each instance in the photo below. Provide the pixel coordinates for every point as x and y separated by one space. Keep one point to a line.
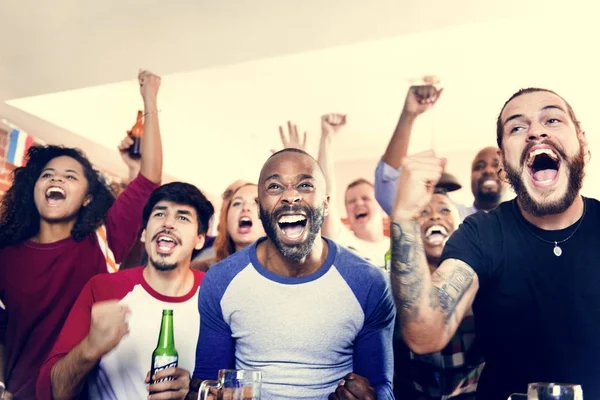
489 183
543 164
361 216
292 225
244 225
165 244
436 235
55 195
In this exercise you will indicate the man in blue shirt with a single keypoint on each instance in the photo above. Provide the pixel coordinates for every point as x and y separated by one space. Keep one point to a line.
316 319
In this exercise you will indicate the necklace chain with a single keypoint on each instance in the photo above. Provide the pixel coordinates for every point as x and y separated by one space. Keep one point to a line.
557 250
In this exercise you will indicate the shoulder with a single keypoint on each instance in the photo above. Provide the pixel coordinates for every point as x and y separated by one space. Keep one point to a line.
220 275
115 285
494 218
356 270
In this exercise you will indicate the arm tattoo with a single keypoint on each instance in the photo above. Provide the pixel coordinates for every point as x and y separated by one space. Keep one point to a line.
449 288
407 276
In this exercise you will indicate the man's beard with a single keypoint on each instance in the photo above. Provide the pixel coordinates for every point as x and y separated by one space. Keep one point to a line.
575 173
314 220
488 197
162 265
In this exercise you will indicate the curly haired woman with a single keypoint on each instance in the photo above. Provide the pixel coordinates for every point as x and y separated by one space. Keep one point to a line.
59 226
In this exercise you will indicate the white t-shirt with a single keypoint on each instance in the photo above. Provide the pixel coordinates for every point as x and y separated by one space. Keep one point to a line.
121 373
373 252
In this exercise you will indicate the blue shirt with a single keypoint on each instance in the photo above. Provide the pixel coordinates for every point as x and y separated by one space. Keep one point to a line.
304 333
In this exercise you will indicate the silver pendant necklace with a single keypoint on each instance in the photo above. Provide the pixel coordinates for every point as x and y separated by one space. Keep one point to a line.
557 250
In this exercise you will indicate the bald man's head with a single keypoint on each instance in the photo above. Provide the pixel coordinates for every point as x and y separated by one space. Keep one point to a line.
485 179
293 201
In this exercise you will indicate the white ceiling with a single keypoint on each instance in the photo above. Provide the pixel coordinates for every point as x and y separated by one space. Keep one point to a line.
232 71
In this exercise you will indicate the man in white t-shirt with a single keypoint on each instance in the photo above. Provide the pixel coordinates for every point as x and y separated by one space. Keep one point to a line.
104 350
365 217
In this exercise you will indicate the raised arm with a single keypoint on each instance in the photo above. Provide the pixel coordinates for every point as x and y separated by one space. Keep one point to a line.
418 100
330 126
151 164
429 307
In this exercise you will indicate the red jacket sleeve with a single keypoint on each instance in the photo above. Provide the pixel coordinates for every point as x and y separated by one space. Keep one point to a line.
124 219
76 328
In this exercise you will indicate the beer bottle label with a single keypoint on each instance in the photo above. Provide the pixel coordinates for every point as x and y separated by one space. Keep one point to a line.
162 363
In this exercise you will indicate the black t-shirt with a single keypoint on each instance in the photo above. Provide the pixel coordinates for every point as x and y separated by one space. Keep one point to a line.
537 315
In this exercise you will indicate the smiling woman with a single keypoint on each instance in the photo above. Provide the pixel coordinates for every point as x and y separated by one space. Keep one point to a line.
54 177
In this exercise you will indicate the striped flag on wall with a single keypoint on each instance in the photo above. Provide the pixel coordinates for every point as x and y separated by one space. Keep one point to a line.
18 144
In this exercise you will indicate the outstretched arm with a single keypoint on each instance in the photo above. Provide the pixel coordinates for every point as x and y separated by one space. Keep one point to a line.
429 307
419 99
330 126
151 164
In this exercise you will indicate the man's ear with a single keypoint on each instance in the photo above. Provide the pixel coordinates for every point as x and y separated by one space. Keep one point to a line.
201 240
584 144
326 205
143 237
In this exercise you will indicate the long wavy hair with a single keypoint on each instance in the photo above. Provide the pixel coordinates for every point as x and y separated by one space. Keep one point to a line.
224 246
19 216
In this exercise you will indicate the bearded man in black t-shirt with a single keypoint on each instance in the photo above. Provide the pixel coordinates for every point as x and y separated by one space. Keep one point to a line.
529 269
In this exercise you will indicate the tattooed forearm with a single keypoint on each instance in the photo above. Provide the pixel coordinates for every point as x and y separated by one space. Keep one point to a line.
449 288
407 274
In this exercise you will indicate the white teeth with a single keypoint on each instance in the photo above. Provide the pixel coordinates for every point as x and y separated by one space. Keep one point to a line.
55 189
290 219
245 219
533 154
165 239
436 228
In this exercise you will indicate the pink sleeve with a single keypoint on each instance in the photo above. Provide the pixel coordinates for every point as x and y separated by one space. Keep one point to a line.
124 219
73 332
3 325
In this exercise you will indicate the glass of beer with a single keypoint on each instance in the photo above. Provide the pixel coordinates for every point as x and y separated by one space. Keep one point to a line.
550 391
232 384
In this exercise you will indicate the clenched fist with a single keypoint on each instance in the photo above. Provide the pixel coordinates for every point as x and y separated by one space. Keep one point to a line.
108 326
149 85
354 387
421 98
420 173
331 124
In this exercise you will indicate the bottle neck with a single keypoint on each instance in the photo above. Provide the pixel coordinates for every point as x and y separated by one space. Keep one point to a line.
166 339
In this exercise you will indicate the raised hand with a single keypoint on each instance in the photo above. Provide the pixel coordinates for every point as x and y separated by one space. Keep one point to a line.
132 163
291 140
354 387
108 326
332 123
421 98
175 388
149 85
420 173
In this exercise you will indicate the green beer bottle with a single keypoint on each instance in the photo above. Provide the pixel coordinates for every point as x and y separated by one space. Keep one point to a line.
388 260
165 355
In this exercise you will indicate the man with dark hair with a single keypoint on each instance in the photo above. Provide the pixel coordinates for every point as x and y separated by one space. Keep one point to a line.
316 319
106 344
527 268
486 185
